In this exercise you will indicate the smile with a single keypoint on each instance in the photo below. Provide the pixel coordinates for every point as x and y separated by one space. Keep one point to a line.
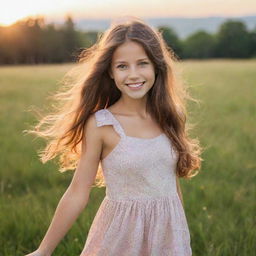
135 85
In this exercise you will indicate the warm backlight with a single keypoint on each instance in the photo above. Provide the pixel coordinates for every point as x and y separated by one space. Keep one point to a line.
14 10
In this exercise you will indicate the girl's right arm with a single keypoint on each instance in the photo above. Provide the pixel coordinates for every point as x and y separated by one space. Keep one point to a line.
76 196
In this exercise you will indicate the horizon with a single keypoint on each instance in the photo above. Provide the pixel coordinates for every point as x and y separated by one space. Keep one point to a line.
60 19
14 10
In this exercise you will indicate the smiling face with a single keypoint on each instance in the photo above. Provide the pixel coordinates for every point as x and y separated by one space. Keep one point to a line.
132 70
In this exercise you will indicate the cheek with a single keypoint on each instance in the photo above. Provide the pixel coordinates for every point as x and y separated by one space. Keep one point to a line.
151 73
119 77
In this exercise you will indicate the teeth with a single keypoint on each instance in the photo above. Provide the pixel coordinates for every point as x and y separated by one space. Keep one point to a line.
135 85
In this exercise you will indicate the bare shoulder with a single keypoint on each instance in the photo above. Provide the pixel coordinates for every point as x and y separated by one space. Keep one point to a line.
92 139
91 131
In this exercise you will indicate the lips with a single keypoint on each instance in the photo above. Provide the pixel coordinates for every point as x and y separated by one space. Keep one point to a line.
134 85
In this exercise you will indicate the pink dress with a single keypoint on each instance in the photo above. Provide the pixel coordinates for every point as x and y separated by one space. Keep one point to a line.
141 213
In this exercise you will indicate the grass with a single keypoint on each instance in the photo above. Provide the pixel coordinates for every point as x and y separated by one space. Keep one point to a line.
219 202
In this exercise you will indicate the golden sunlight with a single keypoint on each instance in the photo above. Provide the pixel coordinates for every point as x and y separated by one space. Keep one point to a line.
14 10
7 19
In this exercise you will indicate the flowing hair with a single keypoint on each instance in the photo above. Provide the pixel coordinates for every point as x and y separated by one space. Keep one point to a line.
88 87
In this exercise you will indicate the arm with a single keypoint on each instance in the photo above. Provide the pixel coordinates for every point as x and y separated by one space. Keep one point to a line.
179 190
76 196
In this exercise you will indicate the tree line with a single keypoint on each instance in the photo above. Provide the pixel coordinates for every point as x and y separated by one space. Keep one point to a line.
232 40
32 41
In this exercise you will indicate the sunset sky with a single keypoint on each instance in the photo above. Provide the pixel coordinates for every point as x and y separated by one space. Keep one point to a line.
13 10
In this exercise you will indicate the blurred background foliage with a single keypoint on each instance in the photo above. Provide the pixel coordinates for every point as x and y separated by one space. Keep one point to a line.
32 41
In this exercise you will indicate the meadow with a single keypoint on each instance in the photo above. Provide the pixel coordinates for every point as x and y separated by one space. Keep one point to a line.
219 202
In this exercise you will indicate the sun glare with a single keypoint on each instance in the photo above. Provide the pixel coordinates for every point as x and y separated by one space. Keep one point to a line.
8 19
14 10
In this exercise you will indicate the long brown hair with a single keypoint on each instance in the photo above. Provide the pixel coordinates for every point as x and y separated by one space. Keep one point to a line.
88 88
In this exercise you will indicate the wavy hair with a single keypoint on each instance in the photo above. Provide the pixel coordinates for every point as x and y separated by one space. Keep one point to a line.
88 87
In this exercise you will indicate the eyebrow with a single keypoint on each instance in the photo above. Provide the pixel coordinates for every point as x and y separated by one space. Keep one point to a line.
121 61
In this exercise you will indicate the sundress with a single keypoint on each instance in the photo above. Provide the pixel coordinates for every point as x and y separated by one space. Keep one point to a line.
141 213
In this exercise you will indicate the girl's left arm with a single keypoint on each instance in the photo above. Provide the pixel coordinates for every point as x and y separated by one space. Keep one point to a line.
179 190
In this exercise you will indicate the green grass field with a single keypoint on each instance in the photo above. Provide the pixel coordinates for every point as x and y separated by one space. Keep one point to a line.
219 202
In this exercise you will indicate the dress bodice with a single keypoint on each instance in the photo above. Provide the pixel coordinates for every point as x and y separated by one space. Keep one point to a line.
137 167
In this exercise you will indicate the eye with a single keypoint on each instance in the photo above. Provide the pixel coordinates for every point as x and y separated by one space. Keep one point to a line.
121 66
144 63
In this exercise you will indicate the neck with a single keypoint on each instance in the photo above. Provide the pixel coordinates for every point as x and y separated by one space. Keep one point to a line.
133 106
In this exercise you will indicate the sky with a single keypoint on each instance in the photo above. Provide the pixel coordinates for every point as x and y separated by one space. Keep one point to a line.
13 10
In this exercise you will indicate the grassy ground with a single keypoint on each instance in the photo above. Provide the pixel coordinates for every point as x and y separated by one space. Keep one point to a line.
219 202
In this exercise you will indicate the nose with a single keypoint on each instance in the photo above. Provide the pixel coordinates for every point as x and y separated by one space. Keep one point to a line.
133 73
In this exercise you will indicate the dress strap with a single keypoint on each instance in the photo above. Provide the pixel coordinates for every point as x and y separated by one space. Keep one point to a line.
105 117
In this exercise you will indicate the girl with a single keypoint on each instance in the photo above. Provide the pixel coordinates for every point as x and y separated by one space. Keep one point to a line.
126 112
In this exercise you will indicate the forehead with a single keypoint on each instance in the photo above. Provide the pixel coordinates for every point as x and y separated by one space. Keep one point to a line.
128 52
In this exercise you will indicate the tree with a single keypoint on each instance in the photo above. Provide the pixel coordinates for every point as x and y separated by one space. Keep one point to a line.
171 39
253 43
54 48
199 45
70 37
233 40
34 40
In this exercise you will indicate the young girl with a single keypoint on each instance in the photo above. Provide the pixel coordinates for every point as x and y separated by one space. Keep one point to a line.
127 112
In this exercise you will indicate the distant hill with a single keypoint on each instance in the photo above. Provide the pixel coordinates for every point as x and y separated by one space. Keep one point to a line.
182 26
